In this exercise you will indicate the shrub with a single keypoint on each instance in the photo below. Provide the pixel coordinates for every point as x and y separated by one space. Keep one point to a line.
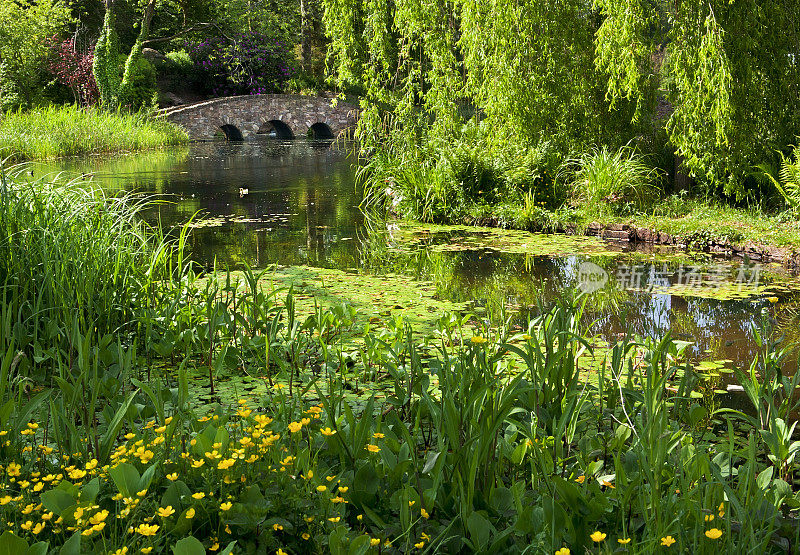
73 69
251 63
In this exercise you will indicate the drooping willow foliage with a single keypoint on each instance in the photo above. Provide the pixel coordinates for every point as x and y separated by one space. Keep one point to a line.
721 78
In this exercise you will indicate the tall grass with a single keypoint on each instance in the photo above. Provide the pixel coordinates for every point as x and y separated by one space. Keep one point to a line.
612 181
70 255
58 131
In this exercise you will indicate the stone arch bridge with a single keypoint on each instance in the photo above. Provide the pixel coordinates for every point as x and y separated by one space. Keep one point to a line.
280 115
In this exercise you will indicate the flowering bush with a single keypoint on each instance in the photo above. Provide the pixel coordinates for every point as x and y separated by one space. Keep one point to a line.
249 63
74 70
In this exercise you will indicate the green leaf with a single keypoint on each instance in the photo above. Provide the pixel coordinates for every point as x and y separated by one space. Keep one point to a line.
359 546
480 530
110 435
189 546
126 478
56 500
39 548
89 491
72 546
228 548
11 544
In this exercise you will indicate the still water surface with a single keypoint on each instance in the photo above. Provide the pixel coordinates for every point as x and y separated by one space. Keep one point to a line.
295 203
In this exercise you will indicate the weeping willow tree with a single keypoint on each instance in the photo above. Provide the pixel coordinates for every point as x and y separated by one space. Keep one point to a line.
719 78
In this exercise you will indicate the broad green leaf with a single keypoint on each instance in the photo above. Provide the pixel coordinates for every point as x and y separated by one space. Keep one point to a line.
189 546
11 544
126 478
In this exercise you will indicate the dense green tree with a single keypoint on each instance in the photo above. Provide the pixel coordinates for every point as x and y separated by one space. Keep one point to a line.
25 31
580 73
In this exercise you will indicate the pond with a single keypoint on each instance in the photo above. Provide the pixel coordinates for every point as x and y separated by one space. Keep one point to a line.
295 203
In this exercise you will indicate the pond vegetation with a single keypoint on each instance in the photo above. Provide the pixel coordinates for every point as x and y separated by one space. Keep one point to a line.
305 410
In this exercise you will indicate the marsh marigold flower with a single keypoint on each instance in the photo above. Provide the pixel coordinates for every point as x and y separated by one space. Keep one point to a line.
372 448
295 427
597 536
563 551
624 541
164 512
667 541
713 534
147 529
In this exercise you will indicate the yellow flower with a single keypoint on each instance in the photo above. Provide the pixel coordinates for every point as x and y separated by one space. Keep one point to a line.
92 464
295 427
226 506
321 488
121 551
306 536
141 493
721 510
226 464
372 448
40 526
343 489
335 519
624 541
374 541
130 436
164 512
378 435
668 541
327 431
709 518
277 527
563 551
424 513
198 464
147 530
713 534
199 495
172 477
607 484
13 469
419 545
146 549
580 479
773 300
190 513
597 536
281 552
478 340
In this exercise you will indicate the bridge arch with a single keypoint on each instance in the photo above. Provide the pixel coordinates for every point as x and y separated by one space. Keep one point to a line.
231 132
276 128
320 131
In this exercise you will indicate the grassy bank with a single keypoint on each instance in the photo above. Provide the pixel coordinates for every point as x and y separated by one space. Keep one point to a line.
694 221
472 181
59 131
118 435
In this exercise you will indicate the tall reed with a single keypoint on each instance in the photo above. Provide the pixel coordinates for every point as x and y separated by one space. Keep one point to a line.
59 131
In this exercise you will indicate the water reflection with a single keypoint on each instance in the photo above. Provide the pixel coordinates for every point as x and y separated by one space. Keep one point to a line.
269 201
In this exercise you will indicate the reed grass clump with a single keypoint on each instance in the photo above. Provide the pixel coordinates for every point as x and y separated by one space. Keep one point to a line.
59 131
68 252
